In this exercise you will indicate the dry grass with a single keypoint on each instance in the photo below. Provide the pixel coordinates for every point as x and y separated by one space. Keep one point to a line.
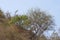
12 33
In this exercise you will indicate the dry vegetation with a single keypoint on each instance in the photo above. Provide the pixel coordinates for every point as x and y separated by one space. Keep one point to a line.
12 29
13 33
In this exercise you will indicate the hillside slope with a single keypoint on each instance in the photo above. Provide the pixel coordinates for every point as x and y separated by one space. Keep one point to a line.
13 33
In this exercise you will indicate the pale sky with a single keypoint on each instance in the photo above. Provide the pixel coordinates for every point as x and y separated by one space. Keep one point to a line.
50 6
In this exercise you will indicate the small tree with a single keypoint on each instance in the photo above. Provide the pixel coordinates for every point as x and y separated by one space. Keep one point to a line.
2 16
55 36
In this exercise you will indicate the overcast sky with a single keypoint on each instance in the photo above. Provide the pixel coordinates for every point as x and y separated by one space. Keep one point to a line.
50 6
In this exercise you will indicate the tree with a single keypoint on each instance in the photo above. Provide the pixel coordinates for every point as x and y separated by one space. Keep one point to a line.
2 16
40 21
37 21
55 36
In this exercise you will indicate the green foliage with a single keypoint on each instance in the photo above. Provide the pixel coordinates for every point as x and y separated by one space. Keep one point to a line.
21 20
14 19
23 17
26 22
